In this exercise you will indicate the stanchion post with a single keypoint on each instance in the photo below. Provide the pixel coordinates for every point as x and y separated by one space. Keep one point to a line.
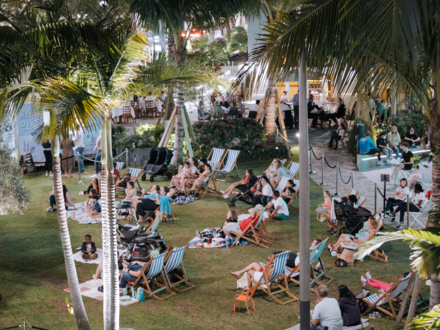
352 180
126 157
375 198
310 160
407 212
337 179
79 169
322 171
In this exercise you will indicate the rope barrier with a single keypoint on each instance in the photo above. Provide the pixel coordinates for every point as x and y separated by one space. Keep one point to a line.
380 192
278 132
311 148
328 163
342 179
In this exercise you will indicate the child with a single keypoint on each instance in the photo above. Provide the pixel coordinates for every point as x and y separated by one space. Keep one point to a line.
88 248
326 206
93 209
184 172
414 177
123 183
115 173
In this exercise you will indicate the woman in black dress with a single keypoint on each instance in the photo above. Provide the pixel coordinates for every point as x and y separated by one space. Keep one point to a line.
48 155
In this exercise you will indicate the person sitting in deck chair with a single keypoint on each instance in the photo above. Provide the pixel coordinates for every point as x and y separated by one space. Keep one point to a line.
280 171
238 227
151 203
88 248
255 271
203 171
293 259
288 191
369 280
130 272
123 182
366 233
242 185
115 173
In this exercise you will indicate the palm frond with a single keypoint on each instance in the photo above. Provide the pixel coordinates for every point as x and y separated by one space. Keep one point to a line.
428 320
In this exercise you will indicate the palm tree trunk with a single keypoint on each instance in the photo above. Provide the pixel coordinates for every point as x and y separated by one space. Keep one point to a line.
270 116
434 297
170 105
178 138
72 277
109 243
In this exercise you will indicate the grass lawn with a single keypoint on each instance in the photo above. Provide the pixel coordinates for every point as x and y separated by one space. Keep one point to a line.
33 274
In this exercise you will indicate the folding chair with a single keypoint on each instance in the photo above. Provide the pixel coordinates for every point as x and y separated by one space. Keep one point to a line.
155 276
415 215
216 155
210 180
352 192
381 298
293 169
135 172
250 234
280 187
291 273
174 260
361 200
402 174
319 275
230 164
119 167
153 226
278 262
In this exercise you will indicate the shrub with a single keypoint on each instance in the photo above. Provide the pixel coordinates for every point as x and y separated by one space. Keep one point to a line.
142 139
259 153
243 134
415 119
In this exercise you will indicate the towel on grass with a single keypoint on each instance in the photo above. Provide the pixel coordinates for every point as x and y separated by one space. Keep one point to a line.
196 242
182 200
82 217
364 324
164 202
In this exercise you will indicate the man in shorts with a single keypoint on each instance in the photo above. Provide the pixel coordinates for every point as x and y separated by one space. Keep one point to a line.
280 209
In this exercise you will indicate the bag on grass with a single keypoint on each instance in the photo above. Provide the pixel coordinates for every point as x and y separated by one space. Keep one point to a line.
340 263
348 256
242 283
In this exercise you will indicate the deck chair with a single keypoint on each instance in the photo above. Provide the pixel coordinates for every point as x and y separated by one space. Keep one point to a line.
278 261
153 226
352 192
172 261
135 172
361 200
380 298
293 169
251 235
415 215
376 254
155 276
291 273
210 184
280 187
119 167
216 156
230 164
319 274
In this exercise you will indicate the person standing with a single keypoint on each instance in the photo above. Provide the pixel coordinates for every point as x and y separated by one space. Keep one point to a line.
326 313
68 161
98 153
78 139
48 164
295 102
367 147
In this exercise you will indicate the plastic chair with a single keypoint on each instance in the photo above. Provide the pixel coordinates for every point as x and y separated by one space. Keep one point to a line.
245 296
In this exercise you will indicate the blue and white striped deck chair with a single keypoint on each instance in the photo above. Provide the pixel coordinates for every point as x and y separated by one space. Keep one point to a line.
216 155
293 169
174 260
155 275
381 297
265 282
317 269
155 224
282 185
291 273
119 166
135 172
231 162
376 254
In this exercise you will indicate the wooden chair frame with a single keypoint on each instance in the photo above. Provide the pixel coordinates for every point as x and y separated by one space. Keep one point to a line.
226 154
134 179
182 280
252 236
208 189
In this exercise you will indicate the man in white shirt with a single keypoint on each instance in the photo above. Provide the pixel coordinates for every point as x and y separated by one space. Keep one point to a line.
284 98
281 211
326 313
158 105
78 139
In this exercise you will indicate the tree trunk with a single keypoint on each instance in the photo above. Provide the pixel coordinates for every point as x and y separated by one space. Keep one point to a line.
178 138
177 51
170 105
72 277
270 116
109 244
434 297
228 31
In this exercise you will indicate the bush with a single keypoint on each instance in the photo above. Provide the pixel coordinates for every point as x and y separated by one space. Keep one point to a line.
259 153
142 139
243 134
415 119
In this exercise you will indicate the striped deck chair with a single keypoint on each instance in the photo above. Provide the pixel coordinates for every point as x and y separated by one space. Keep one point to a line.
380 298
216 156
231 162
155 276
135 172
266 282
319 275
291 273
376 254
174 260
361 200
352 192
119 166
210 181
250 234
293 169
153 226
294 196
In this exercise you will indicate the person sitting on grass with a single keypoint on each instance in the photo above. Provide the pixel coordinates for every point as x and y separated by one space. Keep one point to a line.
130 272
414 205
238 227
242 185
255 271
280 209
366 233
67 199
326 314
88 248
326 206
123 182
93 208
367 147
407 163
369 280
289 190
96 185
351 315
411 138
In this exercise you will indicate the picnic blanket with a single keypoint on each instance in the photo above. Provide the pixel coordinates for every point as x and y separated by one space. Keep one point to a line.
82 217
182 200
164 202
196 243
364 324
90 289
78 257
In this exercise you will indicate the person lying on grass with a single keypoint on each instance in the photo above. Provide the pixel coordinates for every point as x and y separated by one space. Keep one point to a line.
365 234
93 208
88 248
278 207
255 271
242 185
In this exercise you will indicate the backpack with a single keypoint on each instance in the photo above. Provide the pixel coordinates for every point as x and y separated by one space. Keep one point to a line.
340 263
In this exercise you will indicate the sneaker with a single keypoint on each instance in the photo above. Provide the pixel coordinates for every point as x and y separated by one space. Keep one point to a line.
400 227
49 209
85 172
51 174
47 174
380 163
222 191
368 275
363 280
321 219
225 196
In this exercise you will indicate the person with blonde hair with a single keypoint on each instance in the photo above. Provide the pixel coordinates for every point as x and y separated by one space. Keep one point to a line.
325 206
366 233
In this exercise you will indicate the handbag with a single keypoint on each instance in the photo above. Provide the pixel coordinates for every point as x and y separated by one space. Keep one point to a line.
242 283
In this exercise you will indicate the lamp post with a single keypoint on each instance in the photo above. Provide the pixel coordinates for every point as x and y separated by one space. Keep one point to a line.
304 209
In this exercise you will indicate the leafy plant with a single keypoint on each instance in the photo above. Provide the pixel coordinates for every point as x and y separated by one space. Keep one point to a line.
155 130
239 40
173 168
382 127
143 138
413 118
428 320
259 153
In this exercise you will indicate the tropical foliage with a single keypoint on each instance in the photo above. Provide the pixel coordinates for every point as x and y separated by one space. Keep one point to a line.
428 320
239 40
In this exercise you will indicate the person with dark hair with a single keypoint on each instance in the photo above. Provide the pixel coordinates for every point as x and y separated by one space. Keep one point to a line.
407 163
48 164
400 196
242 185
150 203
340 113
382 145
411 138
414 205
95 185
204 172
367 147
115 173
289 190
280 211
351 315
314 111
67 199
123 182
261 197
336 136
88 248
93 208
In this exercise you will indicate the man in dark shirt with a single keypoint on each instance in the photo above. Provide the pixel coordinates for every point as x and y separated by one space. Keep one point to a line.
411 138
382 145
406 157
88 248
317 113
